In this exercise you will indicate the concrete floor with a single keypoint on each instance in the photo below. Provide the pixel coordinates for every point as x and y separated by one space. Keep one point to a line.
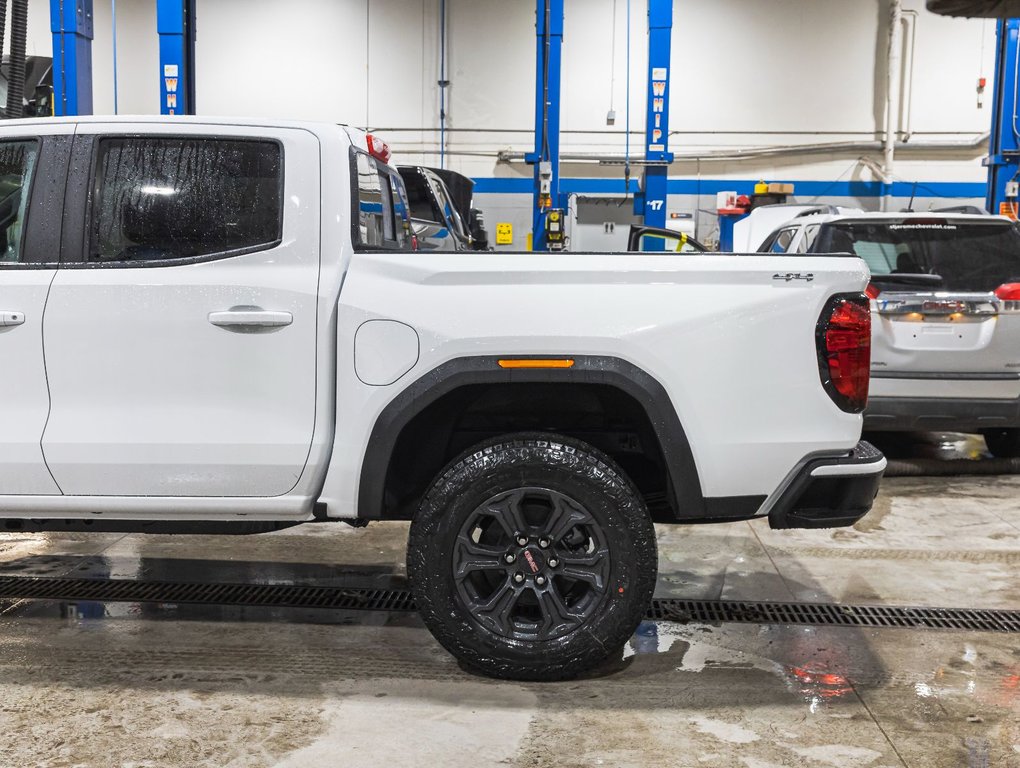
161 685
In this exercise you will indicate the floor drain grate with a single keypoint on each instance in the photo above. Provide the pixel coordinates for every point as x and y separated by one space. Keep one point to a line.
397 600
260 595
831 614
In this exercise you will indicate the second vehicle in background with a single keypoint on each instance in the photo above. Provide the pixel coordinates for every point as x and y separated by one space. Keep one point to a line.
442 216
945 300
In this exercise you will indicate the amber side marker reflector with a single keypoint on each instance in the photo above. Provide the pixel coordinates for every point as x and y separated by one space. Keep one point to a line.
536 363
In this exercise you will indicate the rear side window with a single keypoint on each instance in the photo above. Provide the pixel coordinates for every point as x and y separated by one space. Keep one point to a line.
380 209
17 165
369 203
810 235
967 255
167 198
419 196
779 242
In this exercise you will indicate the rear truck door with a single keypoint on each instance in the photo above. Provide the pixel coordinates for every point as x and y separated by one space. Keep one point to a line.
33 169
951 335
182 324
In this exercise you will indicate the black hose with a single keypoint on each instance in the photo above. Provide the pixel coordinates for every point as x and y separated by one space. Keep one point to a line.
16 78
3 24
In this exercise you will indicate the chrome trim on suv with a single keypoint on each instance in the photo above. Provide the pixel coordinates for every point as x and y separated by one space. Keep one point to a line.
942 304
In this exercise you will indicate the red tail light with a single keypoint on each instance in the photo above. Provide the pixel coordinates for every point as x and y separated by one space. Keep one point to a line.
1008 292
378 148
872 291
844 351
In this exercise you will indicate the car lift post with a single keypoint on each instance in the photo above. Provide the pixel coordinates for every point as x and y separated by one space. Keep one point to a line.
1003 159
650 202
546 157
71 23
1004 145
175 23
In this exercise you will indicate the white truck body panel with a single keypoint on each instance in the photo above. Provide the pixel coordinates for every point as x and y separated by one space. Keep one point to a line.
215 425
693 322
170 403
24 403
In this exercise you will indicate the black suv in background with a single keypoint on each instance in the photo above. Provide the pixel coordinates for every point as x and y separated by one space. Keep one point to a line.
442 216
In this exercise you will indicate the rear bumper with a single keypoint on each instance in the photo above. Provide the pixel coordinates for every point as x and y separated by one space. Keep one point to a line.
937 415
832 491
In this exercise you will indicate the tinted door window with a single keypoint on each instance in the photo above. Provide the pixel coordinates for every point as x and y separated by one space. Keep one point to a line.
173 198
17 164
968 256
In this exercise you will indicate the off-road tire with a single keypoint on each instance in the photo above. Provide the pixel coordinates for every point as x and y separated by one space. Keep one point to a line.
554 640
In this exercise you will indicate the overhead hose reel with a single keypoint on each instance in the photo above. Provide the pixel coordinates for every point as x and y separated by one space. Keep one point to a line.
16 78
989 9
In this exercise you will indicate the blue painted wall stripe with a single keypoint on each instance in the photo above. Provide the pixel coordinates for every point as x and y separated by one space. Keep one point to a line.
968 189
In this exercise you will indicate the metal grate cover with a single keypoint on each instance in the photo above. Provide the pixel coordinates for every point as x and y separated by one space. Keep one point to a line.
396 600
832 614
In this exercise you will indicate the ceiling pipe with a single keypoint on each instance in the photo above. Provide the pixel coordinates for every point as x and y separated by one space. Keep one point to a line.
892 97
908 85
753 153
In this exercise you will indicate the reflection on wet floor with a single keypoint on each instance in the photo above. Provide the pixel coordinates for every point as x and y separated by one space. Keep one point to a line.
939 454
159 684
945 446
684 695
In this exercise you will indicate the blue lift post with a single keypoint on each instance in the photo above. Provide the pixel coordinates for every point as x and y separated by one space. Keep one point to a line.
175 23
1004 146
547 116
650 203
71 23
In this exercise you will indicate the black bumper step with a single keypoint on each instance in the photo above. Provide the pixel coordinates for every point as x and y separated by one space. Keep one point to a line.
397 600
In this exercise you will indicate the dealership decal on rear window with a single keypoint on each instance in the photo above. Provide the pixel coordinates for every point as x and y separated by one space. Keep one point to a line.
923 226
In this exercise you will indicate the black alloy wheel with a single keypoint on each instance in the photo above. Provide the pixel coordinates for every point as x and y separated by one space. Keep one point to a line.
531 564
532 557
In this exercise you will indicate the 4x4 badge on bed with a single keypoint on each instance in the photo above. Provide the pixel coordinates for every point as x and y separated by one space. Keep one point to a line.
794 276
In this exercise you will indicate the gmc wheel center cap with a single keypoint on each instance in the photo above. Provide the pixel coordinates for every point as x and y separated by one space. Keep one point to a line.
534 558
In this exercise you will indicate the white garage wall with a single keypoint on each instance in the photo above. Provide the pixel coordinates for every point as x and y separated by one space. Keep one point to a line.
743 74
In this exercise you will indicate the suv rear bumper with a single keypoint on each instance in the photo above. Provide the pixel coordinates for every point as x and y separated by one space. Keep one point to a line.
832 491
943 414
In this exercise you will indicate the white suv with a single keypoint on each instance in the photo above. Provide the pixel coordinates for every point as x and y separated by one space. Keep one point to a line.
945 300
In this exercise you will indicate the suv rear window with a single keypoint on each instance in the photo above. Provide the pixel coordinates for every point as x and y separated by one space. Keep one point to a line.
967 255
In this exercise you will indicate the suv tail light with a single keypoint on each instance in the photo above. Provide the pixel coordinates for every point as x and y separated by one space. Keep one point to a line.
1008 292
872 291
378 148
844 350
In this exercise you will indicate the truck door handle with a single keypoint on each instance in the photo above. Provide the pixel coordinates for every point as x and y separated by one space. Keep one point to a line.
250 317
11 318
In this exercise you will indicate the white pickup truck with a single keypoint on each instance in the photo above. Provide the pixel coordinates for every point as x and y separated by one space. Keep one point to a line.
222 327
